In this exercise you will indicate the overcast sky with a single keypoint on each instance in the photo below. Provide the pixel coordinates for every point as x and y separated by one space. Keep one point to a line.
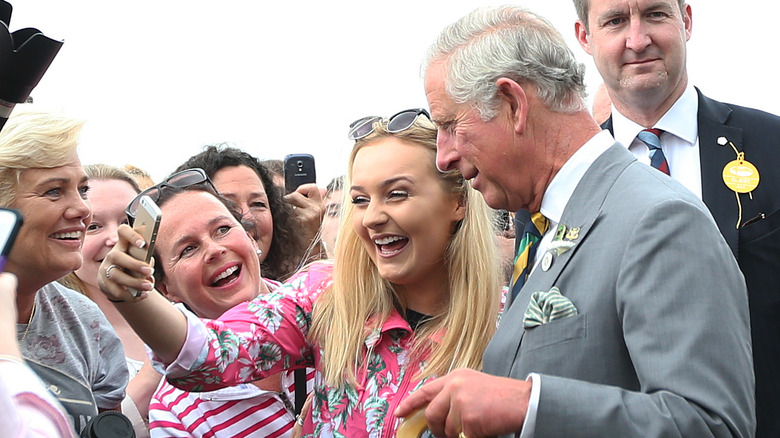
156 80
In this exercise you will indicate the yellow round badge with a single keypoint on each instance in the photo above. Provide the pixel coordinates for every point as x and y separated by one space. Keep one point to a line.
741 176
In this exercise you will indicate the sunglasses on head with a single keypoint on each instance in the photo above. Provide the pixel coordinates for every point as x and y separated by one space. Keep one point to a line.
185 178
398 122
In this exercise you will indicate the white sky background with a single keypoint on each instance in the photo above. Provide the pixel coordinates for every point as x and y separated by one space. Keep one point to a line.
157 80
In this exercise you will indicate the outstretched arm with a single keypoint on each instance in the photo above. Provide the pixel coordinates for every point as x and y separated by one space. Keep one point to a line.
160 325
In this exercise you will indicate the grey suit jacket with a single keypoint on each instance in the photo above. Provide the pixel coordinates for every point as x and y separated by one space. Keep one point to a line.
661 344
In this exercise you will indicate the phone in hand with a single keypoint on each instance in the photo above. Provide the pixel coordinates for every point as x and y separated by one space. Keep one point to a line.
147 223
10 224
298 170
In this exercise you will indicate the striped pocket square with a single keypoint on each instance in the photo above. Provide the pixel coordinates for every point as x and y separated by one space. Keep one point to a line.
547 306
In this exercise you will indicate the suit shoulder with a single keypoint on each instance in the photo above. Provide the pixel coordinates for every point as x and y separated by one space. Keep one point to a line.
740 116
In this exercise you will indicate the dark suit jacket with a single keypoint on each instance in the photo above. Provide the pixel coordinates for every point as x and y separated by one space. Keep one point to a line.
757 245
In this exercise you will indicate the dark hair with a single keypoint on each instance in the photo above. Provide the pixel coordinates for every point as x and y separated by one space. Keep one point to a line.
287 248
276 167
168 192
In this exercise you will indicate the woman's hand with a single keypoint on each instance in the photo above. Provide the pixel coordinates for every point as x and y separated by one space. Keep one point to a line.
307 208
114 274
297 430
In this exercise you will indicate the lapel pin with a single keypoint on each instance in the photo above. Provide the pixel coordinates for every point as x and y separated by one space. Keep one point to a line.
547 261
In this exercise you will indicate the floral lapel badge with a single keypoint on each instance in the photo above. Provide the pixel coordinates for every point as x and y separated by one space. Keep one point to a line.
564 240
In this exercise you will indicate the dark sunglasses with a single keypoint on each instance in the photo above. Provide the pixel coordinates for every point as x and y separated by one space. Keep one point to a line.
398 122
185 178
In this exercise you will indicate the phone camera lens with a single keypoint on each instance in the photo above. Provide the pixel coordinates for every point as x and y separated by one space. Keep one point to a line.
300 164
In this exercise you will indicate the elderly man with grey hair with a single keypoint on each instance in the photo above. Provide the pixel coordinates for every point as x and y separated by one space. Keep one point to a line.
633 321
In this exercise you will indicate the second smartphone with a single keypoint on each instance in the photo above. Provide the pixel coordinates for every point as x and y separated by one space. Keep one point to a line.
298 170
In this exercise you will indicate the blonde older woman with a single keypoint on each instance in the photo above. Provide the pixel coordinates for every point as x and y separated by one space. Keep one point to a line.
63 335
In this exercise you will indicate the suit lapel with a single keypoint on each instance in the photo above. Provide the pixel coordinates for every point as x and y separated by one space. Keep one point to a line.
582 210
720 200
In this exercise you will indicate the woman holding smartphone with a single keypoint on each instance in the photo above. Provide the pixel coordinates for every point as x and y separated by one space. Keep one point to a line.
415 257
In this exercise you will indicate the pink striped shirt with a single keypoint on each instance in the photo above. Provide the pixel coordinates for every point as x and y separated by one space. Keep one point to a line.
238 411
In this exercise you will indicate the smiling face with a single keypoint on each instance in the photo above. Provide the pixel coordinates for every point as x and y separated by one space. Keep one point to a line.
402 213
56 215
108 199
210 262
639 47
241 185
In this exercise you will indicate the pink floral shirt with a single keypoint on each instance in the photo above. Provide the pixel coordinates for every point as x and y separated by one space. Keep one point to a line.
270 334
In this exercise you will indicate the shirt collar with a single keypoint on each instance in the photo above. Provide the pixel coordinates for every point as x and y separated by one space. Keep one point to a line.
680 120
565 181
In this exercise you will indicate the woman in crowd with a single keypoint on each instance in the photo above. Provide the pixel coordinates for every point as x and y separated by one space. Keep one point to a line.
63 335
110 190
261 408
415 256
283 233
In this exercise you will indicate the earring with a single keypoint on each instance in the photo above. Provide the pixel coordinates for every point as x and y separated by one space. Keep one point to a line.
259 252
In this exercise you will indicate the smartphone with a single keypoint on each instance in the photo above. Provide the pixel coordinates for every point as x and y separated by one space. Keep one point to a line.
147 223
10 223
298 170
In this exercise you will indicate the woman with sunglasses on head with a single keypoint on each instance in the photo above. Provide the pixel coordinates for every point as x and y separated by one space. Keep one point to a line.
63 335
262 408
412 293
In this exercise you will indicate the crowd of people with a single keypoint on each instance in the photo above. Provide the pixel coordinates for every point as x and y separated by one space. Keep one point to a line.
504 263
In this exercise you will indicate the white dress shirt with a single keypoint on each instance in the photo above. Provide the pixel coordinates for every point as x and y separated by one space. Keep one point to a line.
679 141
556 196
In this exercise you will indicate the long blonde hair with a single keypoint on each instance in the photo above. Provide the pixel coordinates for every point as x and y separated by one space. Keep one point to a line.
360 300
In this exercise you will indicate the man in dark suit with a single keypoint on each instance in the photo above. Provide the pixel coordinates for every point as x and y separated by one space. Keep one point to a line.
639 48
634 320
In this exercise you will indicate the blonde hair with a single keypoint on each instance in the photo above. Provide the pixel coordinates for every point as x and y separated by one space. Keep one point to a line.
33 140
98 172
141 177
360 300
108 172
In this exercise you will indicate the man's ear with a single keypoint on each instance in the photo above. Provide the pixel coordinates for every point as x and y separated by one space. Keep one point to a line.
515 97
581 32
688 21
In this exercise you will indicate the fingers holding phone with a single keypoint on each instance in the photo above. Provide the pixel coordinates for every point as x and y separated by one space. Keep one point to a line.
146 224
308 208
120 272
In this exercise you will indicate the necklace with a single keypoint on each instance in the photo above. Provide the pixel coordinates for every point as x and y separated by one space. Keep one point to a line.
29 321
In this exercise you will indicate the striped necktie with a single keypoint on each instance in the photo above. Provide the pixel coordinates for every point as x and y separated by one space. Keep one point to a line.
526 250
652 138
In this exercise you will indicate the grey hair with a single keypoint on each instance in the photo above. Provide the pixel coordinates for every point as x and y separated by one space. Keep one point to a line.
511 42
